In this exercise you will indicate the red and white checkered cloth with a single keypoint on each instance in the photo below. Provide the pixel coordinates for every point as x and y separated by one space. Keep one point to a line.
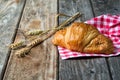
109 25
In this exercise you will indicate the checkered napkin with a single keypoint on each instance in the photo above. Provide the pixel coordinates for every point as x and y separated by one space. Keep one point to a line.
109 25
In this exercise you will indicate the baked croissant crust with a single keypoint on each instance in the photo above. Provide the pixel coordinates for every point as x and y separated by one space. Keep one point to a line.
83 37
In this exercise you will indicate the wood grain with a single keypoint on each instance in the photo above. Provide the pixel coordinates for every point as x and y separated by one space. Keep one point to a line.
10 12
41 64
106 6
111 7
81 68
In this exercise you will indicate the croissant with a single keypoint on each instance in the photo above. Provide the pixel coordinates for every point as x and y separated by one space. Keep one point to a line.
82 37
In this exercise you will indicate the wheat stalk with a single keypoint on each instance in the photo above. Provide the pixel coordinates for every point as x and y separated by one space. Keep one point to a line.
24 51
17 45
34 32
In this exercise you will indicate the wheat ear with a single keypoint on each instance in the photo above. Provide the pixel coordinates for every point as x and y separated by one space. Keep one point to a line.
24 51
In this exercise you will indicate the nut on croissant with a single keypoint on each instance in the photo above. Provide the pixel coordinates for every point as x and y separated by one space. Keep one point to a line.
83 37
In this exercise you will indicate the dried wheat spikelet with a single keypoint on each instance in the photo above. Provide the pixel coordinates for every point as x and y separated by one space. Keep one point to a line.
34 42
33 32
17 45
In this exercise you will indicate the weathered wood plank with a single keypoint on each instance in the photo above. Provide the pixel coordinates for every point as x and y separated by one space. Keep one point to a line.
112 7
106 6
81 68
10 12
41 64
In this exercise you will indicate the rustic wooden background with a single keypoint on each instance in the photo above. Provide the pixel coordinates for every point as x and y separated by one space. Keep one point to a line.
44 62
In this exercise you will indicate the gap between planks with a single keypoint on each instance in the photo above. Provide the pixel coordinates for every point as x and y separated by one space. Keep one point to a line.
21 6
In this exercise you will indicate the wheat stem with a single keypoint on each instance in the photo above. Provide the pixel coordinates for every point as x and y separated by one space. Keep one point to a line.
24 51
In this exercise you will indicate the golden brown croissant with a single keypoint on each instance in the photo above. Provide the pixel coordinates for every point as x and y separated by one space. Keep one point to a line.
83 37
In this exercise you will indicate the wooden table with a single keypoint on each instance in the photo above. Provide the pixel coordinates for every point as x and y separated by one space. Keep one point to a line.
43 63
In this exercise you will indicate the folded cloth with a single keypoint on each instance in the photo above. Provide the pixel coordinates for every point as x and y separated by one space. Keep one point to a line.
109 25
